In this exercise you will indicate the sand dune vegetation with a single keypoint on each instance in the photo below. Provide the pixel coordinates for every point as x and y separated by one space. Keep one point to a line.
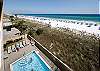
80 52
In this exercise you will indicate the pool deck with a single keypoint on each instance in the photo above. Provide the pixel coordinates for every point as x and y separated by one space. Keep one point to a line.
13 56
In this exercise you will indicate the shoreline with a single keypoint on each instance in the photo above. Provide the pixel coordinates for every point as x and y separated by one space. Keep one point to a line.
64 41
83 26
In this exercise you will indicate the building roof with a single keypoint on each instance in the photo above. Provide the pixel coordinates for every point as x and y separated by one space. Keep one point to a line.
8 35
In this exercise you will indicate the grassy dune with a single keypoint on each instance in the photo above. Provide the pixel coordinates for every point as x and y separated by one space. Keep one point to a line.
98 23
80 52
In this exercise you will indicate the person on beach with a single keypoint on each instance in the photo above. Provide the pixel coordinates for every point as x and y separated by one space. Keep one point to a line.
32 69
30 60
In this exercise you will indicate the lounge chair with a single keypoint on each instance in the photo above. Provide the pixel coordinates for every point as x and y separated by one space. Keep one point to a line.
21 45
5 56
89 26
27 42
86 23
9 50
32 43
17 45
24 43
13 48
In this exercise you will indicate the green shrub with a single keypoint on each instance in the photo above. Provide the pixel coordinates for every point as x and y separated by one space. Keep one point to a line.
9 42
39 31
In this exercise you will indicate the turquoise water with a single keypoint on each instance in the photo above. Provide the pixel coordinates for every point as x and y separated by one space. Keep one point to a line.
87 17
31 62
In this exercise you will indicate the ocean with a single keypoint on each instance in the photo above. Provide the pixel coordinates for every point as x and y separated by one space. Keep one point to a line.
87 17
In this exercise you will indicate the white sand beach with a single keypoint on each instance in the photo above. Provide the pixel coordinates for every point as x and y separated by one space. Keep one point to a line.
90 27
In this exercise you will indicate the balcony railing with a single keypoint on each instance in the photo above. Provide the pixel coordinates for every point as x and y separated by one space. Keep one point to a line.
62 66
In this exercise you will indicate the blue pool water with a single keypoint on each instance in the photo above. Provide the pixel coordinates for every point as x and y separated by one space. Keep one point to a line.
31 62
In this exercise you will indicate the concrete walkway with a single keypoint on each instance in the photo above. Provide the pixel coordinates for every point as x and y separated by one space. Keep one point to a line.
16 55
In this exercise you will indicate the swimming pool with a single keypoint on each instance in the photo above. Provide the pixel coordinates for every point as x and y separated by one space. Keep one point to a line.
30 62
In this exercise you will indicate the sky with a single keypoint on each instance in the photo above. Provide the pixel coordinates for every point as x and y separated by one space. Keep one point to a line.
52 6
